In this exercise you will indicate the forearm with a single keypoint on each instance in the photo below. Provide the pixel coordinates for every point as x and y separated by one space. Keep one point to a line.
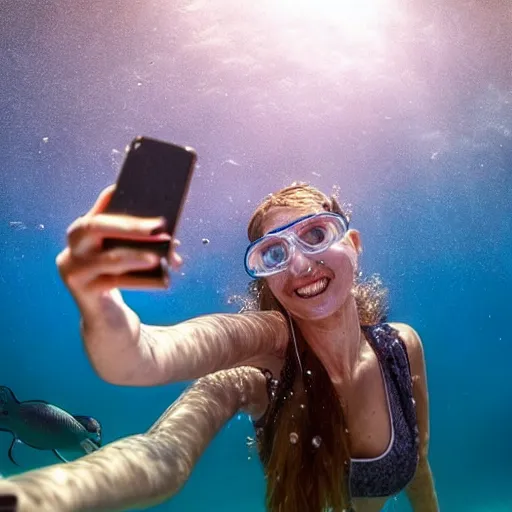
111 333
124 351
421 491
211 343
142 470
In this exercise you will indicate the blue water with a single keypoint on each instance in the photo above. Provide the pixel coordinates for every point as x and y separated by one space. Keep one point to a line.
408 110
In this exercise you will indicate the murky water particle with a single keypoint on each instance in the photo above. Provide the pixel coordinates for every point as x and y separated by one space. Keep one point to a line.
46 139
294 438
205 241
230 161
17 225
309 373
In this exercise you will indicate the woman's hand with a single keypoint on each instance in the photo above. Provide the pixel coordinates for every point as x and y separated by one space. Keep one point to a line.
89 271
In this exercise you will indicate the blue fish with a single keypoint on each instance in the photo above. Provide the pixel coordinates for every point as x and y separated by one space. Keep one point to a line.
44 426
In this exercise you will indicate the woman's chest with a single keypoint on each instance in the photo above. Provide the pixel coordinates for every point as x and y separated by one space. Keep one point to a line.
368 415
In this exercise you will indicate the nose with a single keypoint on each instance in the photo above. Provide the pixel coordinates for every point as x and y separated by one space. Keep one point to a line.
299 264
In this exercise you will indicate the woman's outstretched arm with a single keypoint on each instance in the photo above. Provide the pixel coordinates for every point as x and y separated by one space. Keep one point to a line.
146 469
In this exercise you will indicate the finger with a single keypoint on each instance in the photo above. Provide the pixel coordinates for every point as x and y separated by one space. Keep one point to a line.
128 282
114 262
86 234
102 200
175 261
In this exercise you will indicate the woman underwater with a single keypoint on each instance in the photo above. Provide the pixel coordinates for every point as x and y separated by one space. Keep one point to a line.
339 397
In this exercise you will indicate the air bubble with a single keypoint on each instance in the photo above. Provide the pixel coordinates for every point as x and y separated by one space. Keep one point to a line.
316 441
294 438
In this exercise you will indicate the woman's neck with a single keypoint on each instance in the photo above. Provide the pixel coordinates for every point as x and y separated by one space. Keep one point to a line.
336 341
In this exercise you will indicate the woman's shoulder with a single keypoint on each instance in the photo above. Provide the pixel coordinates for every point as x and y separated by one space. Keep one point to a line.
272 319
408 334
268 327
413 345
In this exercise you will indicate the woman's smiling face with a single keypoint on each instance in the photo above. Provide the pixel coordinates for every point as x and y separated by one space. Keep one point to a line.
313 286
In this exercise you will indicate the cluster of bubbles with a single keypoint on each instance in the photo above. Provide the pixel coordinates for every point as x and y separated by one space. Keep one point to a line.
316 441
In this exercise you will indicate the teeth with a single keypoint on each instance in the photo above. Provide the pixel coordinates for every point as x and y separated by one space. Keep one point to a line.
313 289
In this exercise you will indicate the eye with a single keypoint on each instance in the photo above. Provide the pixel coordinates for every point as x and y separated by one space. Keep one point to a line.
314 236
274 255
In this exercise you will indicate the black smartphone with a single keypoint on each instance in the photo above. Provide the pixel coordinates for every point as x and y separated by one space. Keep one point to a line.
153 182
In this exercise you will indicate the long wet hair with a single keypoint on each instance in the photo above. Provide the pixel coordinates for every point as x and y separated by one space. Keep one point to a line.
304 443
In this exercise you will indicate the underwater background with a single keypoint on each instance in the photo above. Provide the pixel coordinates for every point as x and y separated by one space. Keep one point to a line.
406 106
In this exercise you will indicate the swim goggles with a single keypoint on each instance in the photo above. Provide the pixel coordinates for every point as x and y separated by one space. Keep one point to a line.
312 234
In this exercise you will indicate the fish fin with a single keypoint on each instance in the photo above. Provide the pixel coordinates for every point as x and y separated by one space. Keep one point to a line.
89 446
88 422
59 456
11 457
92 425
4 389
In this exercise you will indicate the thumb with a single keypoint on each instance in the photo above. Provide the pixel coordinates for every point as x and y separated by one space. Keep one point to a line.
102 200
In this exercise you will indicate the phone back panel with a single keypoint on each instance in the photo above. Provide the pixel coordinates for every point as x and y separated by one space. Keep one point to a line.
153 181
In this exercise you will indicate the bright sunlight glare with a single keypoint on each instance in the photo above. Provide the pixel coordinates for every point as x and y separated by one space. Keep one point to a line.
353 17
